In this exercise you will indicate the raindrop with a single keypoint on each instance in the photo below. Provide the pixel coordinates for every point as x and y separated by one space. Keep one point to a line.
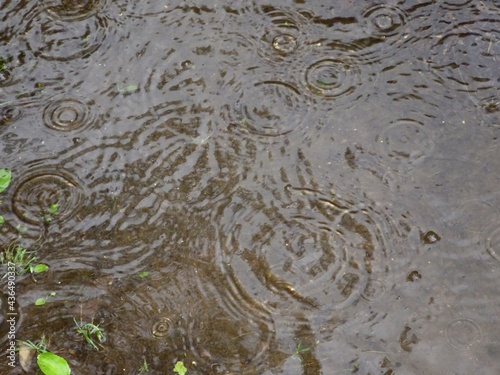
463 333
67 115
384 20
40 190
430 237
72 11
9 114
331 78
413 276
162 327
285 43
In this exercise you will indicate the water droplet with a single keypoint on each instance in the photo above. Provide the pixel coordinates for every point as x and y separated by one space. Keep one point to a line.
285 43
463 333
430 237
413 276
9 114
162 327
384 20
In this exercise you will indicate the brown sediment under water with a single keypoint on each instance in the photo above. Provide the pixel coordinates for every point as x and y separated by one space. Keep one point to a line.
253 187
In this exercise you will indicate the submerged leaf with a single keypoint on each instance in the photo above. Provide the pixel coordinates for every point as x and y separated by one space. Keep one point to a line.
5 176
52 364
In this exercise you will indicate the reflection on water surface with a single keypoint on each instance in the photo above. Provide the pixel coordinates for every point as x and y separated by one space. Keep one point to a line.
253 188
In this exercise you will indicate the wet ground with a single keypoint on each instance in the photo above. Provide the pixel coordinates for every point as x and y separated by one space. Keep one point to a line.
253 188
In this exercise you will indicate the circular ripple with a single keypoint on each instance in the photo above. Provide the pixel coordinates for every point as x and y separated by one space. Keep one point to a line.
374 290
270 108
406 140
384 20
162 327
53 42
9 114
285 43
493 242
37 192
331 78
71 11
463 333
316 251
67 115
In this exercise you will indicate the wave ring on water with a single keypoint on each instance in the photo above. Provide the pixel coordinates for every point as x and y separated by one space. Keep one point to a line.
66 115
463 333
38 191
384 20
162 327
331 78
271 108
71 11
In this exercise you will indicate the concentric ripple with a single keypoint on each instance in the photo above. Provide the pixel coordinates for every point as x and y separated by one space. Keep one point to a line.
39 190
270 108
332 78
463 333
67 114
383 20
406 140
9 113
71 11
315 250
67 41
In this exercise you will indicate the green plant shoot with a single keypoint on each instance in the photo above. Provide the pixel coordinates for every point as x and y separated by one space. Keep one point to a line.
179 368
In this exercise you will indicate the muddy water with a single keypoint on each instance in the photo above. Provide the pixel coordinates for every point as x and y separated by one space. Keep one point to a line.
311 187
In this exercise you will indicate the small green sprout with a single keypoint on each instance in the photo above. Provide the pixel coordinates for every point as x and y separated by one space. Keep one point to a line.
127 90
90 331
144 274
41 301
144 368
179 368
51 212
18 257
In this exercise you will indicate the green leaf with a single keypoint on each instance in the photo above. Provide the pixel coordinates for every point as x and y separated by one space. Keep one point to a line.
1 219
53 208
39 268
40 301
144 274
52 364
5 176
180 368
